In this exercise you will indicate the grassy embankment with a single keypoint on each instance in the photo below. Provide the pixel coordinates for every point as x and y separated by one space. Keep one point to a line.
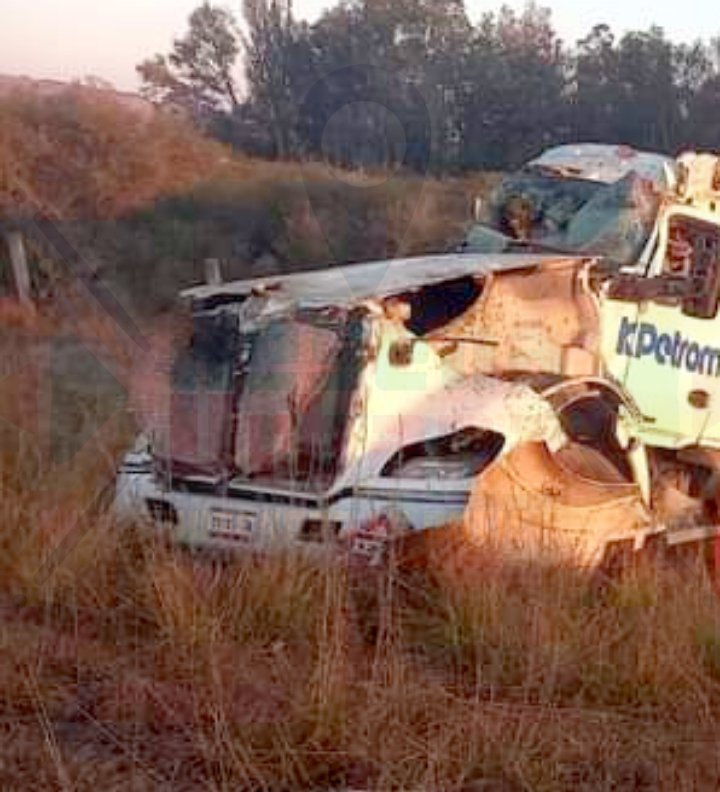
259 218
126 664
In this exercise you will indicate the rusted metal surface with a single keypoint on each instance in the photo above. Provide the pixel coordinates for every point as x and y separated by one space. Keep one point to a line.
532 505
544 320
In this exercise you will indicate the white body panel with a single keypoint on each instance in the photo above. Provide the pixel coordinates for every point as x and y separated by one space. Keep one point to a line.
264 525
662 355
266 515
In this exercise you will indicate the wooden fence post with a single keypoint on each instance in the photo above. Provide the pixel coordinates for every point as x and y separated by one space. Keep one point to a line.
213 273
18 260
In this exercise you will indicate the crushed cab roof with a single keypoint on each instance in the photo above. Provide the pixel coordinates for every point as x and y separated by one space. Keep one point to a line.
354 283
607 163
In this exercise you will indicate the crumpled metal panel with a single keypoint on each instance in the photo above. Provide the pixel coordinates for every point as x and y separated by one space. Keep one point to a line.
530 506
607 163
352 284
546 320
392 420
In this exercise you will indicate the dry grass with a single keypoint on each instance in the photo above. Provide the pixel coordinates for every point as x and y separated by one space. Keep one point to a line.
124 659
84 154
126 663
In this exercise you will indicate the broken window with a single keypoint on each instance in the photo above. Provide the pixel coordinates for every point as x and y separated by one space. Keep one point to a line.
693 252
292 411
569 215
615 223
198 439
434 306
461 455
548 201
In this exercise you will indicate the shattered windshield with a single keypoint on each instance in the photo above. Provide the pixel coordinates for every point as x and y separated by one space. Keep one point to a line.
271 403
195 438
292 408
548 212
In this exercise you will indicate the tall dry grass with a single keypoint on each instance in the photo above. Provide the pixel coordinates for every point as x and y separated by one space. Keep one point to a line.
128 659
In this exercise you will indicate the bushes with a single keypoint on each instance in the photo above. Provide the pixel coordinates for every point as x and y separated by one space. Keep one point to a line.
83 154
260 218
145 199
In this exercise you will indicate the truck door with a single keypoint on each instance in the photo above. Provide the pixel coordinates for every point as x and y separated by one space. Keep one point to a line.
666 350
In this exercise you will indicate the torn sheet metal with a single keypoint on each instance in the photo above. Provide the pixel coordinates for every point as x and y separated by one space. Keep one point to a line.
427 399
607 163
355 283
547 320
533 505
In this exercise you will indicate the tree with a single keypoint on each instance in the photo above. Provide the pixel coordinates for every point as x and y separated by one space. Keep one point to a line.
363 85
593 93
199 73
702 124
382 70
277 56
516 70
628 91
648 100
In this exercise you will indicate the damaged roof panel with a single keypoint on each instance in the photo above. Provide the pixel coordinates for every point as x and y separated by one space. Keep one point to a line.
607 163
355 283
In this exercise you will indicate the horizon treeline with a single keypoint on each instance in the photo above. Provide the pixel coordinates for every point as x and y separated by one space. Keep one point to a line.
378 83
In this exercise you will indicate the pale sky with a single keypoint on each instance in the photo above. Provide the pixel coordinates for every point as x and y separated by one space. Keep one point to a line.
67 39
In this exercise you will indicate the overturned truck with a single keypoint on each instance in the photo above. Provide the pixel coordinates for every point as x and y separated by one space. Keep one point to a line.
556 402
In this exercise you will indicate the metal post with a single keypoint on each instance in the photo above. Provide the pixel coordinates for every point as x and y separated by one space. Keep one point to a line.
213 275
18 259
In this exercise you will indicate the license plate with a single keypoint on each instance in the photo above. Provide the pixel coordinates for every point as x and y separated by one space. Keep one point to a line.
232 526
368 548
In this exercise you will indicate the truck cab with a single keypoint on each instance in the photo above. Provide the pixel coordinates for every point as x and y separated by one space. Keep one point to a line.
659 318
312 408
578 199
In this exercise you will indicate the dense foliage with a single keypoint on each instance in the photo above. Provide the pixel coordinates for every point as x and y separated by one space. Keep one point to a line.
381 82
